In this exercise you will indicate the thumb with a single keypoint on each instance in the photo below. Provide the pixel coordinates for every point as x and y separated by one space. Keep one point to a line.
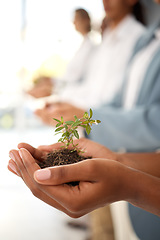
67 173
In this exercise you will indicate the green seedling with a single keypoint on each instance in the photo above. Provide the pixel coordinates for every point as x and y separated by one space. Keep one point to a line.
69 130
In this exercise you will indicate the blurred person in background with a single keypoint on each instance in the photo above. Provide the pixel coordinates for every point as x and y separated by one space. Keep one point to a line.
104 25
45 86
107 62
131 120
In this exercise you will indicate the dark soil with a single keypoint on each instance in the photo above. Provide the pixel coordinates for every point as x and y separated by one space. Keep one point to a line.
62 157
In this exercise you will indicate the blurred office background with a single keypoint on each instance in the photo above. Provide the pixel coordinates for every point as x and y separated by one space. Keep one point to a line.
37 37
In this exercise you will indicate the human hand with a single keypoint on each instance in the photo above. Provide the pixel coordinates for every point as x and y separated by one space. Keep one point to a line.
56 110
17 167
42 88
88 147
99 183
36 153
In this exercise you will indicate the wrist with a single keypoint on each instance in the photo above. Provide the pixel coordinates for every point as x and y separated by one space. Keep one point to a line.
130 189
126 182
121 178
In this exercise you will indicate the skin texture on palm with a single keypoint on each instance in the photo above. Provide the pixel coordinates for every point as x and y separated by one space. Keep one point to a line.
102 180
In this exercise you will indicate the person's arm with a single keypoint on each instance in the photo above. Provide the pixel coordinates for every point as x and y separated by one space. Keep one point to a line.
145 162
101 182
143 190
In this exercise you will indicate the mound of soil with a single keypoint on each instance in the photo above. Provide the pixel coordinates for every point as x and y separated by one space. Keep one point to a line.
62 157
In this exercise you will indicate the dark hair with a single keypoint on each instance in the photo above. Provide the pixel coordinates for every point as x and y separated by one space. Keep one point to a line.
85 15
138 12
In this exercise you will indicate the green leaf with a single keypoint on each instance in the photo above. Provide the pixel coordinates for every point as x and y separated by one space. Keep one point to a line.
66 127
75 132
66 134
69 122
57 120
84 126
58 124
60 140
88 129
62 120
58 129
91 113
98 121
85 115
76 123
57 133
86 122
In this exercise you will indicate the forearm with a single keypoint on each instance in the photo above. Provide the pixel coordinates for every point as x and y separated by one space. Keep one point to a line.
145 162
142 190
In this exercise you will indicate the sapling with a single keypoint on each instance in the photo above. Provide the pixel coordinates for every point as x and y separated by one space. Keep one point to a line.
68 129
69 153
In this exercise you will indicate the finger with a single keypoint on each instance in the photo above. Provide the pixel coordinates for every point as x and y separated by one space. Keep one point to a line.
18 161
76 200
45 193
68 199
14 155
36 153
12 167
82 171
28 161
28 178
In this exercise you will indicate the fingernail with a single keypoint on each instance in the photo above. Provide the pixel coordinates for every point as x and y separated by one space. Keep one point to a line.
11 155
43 174
11 165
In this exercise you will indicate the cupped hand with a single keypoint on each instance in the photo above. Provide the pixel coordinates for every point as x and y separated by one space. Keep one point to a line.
99 183
88 147
24 165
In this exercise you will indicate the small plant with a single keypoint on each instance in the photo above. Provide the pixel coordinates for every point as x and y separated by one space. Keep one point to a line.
68 129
